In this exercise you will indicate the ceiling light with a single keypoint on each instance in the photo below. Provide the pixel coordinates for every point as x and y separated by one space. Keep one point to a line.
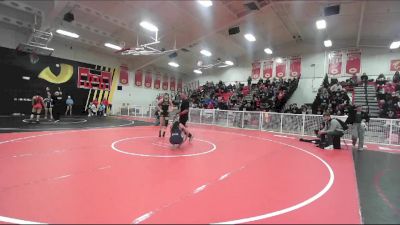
67 33
197 71
279 60
328 43
26 78
250 37
173 64
230 63
395 44
148 26
268 51
205 3
321 24
116 47
205 52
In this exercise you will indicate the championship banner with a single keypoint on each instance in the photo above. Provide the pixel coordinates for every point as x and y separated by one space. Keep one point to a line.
295 67
148 79
395 65
179 87
123 75
280 69
165 82
157 81
172 83
353 64
138 78
256 70
268 66
335 63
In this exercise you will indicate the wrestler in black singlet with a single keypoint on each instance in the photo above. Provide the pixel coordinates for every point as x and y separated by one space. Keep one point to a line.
164 108
176 134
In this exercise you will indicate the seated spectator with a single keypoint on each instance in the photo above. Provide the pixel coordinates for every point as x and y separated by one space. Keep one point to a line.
106 104
92 109
102 110
354 80
381 80
396 77
391 114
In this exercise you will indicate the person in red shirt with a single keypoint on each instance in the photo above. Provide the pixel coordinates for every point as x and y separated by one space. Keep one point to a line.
105 103
37 106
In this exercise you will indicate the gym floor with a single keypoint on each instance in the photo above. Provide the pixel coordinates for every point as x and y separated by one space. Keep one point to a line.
116 170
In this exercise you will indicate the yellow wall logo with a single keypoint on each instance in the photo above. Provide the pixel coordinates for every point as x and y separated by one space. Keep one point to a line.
64 76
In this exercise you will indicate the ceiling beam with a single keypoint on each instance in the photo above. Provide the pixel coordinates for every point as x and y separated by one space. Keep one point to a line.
226 6
52 19
233 22
95 30
360 23
278 15
22 6
103 16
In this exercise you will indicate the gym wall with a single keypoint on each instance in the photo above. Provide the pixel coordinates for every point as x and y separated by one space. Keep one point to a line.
53 72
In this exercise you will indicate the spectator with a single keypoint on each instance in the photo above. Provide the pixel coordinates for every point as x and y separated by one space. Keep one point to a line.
396 77
102 110
381 80
364 79
354 80
92 109
69 102
106 104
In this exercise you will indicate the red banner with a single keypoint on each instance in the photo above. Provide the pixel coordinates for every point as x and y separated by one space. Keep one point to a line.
255 72
335 63
123 75
395 65
157 81
179 87
138 78
280 69
295 67
353 64
165 82
268 66
148 79
172 83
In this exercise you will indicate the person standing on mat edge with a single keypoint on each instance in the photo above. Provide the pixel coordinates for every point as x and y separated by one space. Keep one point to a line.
69 102
331 129
184 114
164 106
48 105
358 118
37 106
58 105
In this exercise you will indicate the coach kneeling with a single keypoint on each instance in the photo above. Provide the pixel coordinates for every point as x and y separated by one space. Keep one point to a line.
333 130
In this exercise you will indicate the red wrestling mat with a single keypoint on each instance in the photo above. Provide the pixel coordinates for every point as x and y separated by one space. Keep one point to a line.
128 175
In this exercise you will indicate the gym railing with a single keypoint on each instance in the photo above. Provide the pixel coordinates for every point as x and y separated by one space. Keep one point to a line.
379 131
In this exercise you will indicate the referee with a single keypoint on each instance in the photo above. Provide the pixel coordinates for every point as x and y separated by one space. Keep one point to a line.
184 114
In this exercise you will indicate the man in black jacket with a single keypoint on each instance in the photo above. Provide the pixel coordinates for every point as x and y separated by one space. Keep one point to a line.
358 118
